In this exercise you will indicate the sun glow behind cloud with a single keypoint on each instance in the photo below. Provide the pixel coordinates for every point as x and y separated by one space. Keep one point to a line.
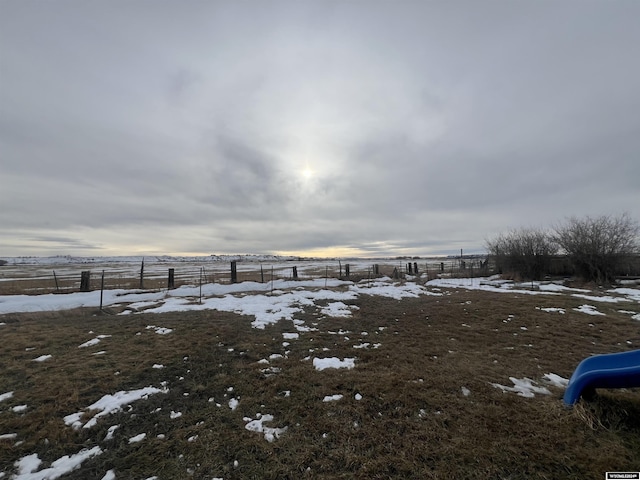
307 173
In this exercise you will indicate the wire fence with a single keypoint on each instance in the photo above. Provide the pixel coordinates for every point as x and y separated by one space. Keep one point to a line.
25 279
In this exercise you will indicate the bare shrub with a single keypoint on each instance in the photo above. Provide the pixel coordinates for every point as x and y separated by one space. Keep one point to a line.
597 246
525 252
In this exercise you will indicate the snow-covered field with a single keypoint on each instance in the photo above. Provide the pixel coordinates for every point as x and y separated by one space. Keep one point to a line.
188 269
281 299
267 304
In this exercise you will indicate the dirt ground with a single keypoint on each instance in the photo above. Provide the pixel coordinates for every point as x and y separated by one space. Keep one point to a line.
420 402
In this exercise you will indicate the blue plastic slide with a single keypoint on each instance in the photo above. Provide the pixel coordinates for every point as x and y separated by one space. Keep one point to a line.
613 370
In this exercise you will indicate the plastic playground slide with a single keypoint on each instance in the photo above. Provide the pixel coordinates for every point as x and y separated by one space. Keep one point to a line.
612 370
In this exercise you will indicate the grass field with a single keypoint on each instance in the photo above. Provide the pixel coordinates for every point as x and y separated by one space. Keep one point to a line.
236 402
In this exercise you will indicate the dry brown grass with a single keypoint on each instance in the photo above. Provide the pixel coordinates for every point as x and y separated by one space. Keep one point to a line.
412 422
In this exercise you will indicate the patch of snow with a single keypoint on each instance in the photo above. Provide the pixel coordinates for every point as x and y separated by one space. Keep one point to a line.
337 309
525 387
110 404
160 330
28 464
42 358
257 425
110 475
465 391
138 438
19 408
332 398
61 466
552 310
630 293
6 396
93 341
556 380
290 336
233 403
588 309
601 298
110 432
333 362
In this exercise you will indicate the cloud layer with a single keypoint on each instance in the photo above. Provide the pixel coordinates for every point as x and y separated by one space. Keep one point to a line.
369 128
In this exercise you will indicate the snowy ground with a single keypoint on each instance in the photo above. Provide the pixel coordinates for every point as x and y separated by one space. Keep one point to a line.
267 304
215 268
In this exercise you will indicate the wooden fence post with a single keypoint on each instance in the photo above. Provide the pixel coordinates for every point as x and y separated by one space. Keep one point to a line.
101 289
415 267
85 281
171 280
56 279
346 270
295 273
261 275
234 272
142 275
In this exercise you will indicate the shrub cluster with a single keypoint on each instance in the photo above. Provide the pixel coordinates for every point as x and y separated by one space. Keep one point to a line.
596 247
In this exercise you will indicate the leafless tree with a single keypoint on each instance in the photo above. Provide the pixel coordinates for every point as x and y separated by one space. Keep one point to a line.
526 252
598 246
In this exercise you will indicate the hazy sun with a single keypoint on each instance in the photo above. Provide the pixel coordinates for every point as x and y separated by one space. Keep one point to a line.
307 173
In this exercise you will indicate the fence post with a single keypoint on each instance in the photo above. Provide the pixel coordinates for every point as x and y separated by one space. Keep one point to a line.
171 280
142 275
346 270
85 281
415 267
261 275
295 273
101 289
340 264
234 272
56 279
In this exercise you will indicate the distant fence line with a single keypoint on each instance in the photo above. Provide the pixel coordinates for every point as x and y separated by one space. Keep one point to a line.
157 276
151 277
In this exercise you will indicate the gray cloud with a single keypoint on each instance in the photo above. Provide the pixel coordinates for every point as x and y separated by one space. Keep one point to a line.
374 127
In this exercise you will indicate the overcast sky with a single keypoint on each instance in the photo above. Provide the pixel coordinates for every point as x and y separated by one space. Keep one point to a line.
311 127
